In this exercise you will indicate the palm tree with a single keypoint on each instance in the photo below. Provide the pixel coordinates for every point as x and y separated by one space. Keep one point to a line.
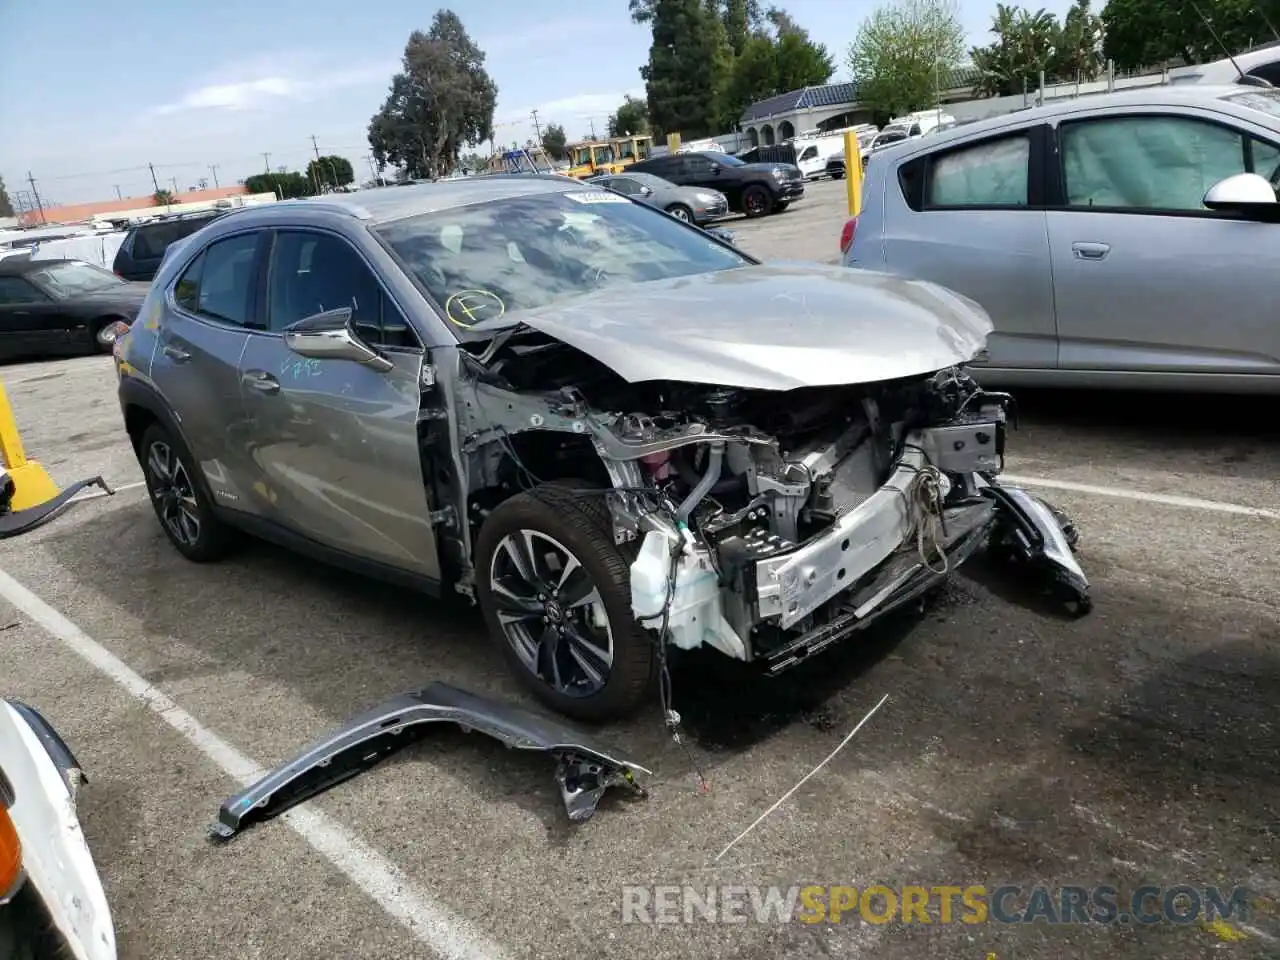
162 198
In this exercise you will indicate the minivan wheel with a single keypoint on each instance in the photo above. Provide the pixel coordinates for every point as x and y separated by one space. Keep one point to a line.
681 212
179 501
756 201
556 596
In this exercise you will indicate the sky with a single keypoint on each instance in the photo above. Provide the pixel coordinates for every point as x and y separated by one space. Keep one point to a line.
93 92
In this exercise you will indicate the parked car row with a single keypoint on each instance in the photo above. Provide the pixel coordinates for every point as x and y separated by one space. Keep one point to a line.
1116 240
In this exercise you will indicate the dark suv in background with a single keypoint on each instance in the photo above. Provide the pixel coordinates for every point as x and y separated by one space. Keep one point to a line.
140 254
755 189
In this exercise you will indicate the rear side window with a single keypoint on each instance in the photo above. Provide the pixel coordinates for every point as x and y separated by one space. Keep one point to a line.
152 241
219 283
993 173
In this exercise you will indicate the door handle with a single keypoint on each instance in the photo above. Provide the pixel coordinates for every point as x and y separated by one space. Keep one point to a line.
176 354
261 381
1090 251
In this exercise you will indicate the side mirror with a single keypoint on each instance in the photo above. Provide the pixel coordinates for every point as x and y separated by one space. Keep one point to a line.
329 336
1245 194
646 191
715 168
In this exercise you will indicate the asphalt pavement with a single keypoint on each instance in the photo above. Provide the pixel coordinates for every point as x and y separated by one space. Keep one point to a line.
1135 746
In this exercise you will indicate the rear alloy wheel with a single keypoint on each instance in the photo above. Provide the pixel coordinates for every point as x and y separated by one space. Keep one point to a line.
681 212
178 501
105 337
555 592
756 201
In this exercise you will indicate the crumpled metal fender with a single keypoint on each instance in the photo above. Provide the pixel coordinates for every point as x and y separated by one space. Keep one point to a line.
44 777
584 770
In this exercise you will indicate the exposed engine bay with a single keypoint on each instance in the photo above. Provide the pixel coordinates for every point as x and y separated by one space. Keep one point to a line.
769 524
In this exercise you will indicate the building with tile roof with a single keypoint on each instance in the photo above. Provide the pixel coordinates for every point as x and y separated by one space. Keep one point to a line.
831 106
83 212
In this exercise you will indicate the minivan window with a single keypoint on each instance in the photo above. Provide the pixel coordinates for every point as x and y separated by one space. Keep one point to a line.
485 262
1148 162
992 173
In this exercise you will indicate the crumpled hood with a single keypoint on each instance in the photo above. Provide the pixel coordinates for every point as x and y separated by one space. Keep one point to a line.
771 327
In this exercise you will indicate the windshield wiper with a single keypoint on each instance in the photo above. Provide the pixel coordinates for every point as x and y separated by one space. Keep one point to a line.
502 338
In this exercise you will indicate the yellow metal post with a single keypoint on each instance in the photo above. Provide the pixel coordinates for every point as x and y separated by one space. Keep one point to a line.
673 142
31 485
853 172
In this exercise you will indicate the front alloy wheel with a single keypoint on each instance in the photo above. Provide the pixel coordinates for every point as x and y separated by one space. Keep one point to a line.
551 613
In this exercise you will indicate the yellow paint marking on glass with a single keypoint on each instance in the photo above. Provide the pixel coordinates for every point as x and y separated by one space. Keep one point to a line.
853 172
32 486
1223 930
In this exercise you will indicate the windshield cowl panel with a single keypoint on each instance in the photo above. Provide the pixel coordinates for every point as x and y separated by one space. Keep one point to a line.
485 263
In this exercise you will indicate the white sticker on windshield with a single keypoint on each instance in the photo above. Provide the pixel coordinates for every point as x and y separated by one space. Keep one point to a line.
600 196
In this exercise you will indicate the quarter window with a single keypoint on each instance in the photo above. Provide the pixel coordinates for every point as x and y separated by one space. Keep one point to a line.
1155 162
993 173
219 283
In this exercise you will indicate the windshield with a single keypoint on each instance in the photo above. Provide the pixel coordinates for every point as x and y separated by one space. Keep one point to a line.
1267 101
486 262
72 279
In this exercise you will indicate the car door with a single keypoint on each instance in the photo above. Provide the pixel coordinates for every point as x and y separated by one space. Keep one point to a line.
631 188
196 363
698 171
333 442
1145 277
31 322
971 217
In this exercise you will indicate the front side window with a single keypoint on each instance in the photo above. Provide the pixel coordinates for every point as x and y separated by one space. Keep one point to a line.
697 166
993 173
218 284
312 273
486 262
1147 163
624 185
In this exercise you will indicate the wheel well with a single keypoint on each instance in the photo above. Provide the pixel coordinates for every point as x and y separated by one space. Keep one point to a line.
137 419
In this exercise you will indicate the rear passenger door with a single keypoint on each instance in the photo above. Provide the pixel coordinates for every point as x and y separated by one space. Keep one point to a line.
334 443
1147 278
210 308
30 322
971 217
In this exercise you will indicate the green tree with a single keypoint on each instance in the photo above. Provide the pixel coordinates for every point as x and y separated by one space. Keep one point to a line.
162 198
554 140
331 171
686 76
287 185
801 62
740 18
900 50
443 98
1149 33
6 205
630 118
1079 50
1025 44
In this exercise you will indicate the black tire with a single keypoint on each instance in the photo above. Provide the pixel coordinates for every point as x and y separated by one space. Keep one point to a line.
580 523
757 201
837 176
181 498
680 212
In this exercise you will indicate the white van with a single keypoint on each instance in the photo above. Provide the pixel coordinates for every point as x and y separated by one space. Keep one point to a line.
812 153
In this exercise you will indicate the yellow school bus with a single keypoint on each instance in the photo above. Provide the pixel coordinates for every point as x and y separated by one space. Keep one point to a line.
628 150
589 157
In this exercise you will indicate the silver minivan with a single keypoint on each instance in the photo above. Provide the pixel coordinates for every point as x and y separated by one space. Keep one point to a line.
1117 240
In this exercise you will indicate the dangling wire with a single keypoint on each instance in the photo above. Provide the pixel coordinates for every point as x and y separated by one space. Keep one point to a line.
924 501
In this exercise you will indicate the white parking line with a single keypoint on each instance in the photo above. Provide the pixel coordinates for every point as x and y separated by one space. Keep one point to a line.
432 923
1167 499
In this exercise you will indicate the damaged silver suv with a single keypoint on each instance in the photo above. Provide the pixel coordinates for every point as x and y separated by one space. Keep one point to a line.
613 431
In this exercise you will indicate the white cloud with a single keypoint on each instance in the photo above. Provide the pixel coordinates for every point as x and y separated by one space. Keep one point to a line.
552 32
260 86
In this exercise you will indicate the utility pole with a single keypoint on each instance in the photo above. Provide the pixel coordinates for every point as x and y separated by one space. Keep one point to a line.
315 147
592 121
213 169
36 193
266 163
154 182
537 130
373 170
118 196
174 181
